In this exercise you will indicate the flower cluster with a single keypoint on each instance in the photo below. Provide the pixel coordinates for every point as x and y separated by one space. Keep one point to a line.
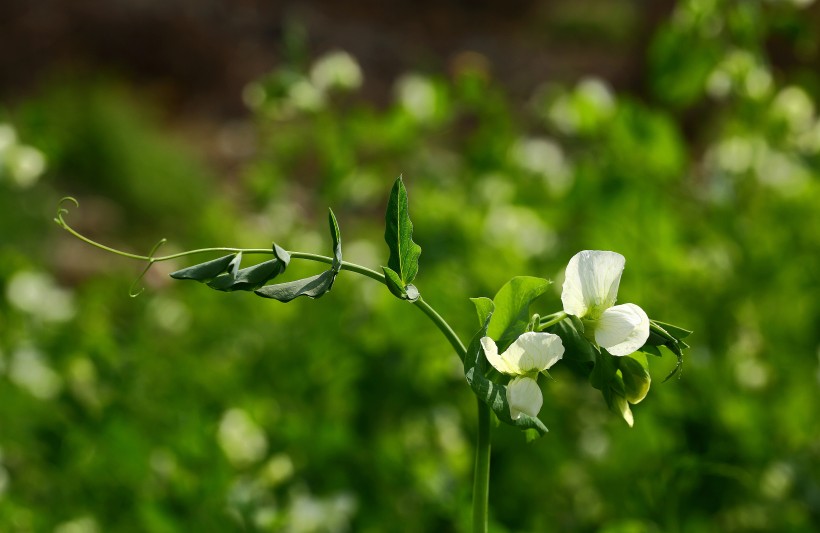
589 293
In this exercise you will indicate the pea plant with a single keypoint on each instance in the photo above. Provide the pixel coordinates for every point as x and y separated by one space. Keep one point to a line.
511 349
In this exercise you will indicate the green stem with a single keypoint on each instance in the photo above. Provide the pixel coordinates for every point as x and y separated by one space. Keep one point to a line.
551 320
481 476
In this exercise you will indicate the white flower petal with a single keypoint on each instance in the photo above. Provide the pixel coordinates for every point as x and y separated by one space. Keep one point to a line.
533 352
524 397
622 329
591 281
491 352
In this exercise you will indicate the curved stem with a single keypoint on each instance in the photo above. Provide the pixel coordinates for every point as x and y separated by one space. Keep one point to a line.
482 465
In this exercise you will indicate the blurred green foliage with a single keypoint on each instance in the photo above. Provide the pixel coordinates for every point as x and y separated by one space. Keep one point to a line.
191 410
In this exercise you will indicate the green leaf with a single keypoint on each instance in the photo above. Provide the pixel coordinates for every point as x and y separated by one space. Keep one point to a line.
484 307
493 394
398 233
281 254
249 278
512 308
205 271
233 266
393 282
312 287
337 241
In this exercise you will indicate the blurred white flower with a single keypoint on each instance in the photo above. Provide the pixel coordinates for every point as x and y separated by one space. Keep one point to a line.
242 440
29 371
532 352
590 291
37 293
84 524
417 95
336 69
794 106
545 158
305 96
26 165
8 137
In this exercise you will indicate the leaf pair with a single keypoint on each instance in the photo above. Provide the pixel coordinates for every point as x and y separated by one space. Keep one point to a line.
224 274
403 263
314 286
503 319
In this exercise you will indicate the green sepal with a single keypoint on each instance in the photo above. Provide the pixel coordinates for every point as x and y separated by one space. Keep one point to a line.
492 394
615 398
205 271
398 234
312 287
512 308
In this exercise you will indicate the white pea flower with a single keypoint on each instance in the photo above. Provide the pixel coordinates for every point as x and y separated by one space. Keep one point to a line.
589 292
531 353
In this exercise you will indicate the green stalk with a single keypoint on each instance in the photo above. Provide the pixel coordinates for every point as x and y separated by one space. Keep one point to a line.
481 476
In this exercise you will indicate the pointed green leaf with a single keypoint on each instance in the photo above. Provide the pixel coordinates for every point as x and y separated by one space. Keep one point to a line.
337 240
205 271
281 254
493 394
312 287
398 233
512 308
233 266
393 282
484 307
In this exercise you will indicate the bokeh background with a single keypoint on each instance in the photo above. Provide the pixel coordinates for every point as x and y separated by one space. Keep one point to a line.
682 134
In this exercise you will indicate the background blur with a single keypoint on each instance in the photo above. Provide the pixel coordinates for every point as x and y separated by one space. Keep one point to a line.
683 135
